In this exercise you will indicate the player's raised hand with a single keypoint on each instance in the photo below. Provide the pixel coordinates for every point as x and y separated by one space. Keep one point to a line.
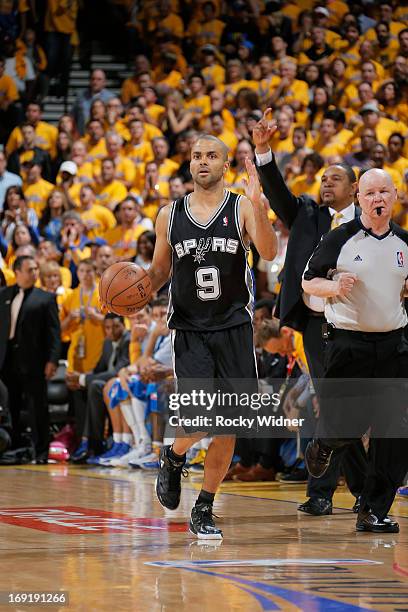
252 186
263 132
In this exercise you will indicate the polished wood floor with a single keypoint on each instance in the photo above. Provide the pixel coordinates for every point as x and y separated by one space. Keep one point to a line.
100 535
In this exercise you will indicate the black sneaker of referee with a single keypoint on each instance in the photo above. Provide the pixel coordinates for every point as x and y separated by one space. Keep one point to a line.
168 487
202 523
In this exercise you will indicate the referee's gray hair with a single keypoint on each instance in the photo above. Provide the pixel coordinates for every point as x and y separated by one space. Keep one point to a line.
212 138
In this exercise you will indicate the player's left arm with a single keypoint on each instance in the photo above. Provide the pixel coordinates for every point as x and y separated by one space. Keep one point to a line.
254 216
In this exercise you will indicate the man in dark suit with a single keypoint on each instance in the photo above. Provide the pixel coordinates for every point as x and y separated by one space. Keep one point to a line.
29 350
308 222
88 388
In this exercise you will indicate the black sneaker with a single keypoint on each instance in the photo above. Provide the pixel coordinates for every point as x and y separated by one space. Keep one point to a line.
298 475
168 488
202 523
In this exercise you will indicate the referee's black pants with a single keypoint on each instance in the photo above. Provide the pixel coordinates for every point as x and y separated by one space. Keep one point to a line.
353 461
343 419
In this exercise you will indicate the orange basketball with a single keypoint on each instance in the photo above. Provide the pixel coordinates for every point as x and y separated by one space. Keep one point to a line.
125 288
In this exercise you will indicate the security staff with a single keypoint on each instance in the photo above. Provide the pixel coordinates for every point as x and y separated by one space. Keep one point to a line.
361 268
308 222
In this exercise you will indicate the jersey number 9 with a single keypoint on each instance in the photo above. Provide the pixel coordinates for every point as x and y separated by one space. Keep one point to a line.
208 283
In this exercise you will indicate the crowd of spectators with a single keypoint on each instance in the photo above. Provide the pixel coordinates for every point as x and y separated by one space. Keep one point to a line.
82 194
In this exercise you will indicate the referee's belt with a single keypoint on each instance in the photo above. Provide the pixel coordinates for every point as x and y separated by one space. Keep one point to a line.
314 313
333 332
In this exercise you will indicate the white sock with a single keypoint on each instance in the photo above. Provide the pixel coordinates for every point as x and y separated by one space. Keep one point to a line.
139 409
127 438
117 437
127 412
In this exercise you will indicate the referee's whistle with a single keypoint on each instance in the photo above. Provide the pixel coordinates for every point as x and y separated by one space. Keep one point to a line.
378 210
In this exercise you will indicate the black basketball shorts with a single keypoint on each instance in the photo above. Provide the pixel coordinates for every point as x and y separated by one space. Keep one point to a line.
218 363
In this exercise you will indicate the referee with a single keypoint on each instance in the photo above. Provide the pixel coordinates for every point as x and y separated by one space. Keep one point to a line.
361 269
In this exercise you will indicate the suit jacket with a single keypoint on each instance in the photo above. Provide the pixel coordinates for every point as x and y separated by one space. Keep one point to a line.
37 331
307 222
101 371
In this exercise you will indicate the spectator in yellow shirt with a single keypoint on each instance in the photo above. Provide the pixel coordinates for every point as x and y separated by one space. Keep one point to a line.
166 166
390 98
371 118
155 192
45 134
82 320
379 160
235 80
113 118
138 150
79 157
28 153
104 258
218 105
269 77
219 130
73 243
153 111
95 141
290 90
237 174
131 86
109 191
396 159
124 168
198 103
326 144
96 219
123 237
207 30
47 252
169 22
36 189
213 72
386 47
309 180
281 142
8 110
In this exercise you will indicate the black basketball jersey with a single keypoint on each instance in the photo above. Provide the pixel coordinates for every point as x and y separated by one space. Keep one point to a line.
211 286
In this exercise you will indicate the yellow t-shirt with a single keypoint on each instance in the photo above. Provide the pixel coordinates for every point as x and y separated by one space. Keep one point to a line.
130 89
124 169
214 75
36 195
102 220
92 331
139 153
123 242
154 112
8 89
45 138
200 107
234 180
230 90
109 195
208 33
329 149
61 16
172 23
229 139
97 151
300 185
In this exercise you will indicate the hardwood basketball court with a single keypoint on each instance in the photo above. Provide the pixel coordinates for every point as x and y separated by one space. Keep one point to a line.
100 535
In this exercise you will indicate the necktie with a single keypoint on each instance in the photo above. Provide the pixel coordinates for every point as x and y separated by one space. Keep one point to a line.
112 358
15 309
337 219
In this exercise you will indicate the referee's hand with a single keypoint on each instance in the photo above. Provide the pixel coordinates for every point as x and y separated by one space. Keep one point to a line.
345 283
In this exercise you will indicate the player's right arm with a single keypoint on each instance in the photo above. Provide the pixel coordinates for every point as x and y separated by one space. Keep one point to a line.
281 200
159 271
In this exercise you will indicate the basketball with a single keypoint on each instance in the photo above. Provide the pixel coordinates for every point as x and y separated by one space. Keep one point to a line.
125 288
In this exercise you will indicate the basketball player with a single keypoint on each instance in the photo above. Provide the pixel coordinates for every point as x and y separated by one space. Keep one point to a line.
203 239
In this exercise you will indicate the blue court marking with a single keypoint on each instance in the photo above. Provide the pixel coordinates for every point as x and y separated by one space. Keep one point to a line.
304 601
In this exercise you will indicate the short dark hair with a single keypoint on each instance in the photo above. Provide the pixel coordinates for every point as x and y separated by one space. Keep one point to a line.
18 264
397 134
336 114
162 300
113 315
196 75
351 175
